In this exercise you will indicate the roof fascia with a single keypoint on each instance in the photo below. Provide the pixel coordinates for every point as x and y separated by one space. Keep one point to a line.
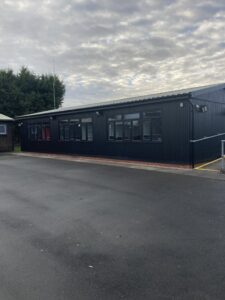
108 107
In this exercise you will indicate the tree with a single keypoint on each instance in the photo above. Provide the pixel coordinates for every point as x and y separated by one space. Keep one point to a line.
26 92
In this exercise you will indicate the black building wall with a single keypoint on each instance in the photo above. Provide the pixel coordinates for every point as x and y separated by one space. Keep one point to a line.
209 125
176 133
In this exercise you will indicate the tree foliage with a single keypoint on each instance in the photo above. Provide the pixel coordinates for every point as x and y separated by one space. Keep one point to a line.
26 92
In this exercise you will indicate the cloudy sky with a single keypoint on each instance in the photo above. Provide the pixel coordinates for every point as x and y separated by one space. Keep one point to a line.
109 49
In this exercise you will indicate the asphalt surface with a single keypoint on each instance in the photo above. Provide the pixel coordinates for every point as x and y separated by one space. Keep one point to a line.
75 231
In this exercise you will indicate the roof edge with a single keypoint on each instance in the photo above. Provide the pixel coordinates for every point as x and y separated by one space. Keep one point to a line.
5 118
101 107
189 92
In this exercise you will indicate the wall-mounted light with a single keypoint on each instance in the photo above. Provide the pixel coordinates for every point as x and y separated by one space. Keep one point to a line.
204 108
201 108
99 113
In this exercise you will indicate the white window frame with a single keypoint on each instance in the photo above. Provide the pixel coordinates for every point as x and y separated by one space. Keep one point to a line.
5 129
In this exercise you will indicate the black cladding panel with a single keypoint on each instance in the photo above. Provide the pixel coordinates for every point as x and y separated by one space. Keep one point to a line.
174 147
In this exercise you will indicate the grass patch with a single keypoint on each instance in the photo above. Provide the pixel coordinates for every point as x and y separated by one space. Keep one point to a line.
17 148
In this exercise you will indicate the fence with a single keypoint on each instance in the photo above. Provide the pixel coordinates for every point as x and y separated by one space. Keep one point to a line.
222 156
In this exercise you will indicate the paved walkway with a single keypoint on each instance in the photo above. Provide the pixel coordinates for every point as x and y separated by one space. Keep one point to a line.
211 171
212 166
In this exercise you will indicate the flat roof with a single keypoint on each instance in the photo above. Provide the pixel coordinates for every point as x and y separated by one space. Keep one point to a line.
194 91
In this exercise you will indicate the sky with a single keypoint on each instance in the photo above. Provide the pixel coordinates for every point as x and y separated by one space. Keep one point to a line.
111 49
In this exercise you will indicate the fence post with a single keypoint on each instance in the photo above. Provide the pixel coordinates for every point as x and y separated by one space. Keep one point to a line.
222 155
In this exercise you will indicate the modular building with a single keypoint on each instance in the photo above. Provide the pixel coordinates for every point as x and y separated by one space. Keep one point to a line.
6 133
179 127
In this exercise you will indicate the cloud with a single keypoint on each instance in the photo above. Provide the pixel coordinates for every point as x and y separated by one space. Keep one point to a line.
112 49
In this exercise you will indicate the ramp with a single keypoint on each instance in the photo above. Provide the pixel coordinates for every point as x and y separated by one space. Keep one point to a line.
213 166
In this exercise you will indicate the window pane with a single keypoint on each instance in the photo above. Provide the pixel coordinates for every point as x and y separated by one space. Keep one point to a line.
38 132
86 120
34 132
136 132
72 131
29 132
132 116
47 133
61 132
83 132
3 129
115 118
147 129
89 132
119 130
66 132
111 130
156 130
43 132
151 114
77 128
42 135
31 129
127 130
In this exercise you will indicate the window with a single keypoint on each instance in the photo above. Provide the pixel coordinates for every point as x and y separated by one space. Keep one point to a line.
64 130
76 130
152 127
136 130
89 132
132 116
125 127
83 132
111 130
127 130
115 128
115 118
74 133
132 128
86 129
156 130
146 129
119 130
45 132
39 132
3 129
32 132
71 131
